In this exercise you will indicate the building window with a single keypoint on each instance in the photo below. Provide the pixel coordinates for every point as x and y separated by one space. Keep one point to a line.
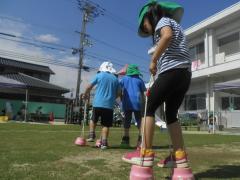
225 103
236 103
230 103
197 55
195 102
229 44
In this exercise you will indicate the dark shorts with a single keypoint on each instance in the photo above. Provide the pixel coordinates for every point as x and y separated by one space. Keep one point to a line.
128 118
170 87
105 114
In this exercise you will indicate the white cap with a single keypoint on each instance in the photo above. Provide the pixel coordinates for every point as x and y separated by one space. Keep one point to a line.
107 67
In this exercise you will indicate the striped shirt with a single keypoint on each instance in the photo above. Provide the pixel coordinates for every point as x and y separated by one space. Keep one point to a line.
177 54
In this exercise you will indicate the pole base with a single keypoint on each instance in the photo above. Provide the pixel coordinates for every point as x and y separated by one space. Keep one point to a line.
141 173
80 141
182 174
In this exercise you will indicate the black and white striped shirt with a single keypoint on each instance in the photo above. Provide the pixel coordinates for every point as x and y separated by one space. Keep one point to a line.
177 54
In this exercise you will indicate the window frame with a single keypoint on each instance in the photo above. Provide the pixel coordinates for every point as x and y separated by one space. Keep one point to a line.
196 103
228 35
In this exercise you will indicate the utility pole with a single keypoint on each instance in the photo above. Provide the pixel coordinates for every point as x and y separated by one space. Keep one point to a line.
90 11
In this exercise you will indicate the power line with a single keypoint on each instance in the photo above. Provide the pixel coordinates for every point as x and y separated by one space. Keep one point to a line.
96 56
90 11
63 46
115 18
52 48
12 54
33 44
32 39
120 22
117 48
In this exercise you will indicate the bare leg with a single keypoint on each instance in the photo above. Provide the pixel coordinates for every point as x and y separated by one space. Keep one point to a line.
105 132
92 126
176 136
148 132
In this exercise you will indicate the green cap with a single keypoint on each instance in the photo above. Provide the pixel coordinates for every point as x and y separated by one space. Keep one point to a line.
171 8
132 70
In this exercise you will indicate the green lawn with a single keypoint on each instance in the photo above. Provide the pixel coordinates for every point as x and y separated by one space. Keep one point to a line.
32 152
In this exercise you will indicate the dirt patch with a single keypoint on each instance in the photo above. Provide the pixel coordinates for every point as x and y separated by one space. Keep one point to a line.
112 160
24 166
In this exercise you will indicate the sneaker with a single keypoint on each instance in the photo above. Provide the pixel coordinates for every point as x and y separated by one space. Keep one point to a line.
104 144
103 147
98 143
142 158
125 142
178 160
91 137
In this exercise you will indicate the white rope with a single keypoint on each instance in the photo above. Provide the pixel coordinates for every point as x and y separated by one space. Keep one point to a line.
84 117
145 114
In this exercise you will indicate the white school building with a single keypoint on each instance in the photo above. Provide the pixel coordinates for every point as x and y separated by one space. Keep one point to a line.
215 52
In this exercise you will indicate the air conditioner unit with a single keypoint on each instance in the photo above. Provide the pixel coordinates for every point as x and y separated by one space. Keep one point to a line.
220 58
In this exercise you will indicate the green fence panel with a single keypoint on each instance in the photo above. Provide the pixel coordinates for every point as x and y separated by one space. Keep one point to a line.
57 109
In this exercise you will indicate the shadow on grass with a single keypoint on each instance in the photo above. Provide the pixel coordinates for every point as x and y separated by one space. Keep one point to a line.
121 147
132 147
220 172
161 147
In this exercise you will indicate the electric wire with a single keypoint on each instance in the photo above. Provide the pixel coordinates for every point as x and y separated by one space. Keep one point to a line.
65 47
35 40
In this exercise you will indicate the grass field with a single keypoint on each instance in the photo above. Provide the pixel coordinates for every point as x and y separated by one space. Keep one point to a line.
44 152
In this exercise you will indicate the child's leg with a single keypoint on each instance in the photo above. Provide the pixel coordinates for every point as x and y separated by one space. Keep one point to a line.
145 156
127 122
105 132
148 132
92 126
175 132
106 120
126 125
104 135
92 135
173 102
138 117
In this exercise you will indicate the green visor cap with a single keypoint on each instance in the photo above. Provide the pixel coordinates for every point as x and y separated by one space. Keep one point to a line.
132 70
174 10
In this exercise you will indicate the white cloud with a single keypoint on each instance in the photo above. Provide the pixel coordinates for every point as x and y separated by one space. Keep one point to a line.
15 28
48 38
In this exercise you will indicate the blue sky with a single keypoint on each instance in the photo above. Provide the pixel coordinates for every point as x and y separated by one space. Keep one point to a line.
113 35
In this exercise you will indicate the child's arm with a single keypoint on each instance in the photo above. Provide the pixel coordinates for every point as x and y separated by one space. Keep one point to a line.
162 45
88 90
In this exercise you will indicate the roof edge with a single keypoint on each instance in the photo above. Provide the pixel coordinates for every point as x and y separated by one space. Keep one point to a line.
214 18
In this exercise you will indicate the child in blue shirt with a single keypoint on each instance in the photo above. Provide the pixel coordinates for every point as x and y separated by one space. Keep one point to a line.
107 87
133 88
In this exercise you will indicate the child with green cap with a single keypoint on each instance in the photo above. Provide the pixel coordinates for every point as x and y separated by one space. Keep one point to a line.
133 88
171 62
